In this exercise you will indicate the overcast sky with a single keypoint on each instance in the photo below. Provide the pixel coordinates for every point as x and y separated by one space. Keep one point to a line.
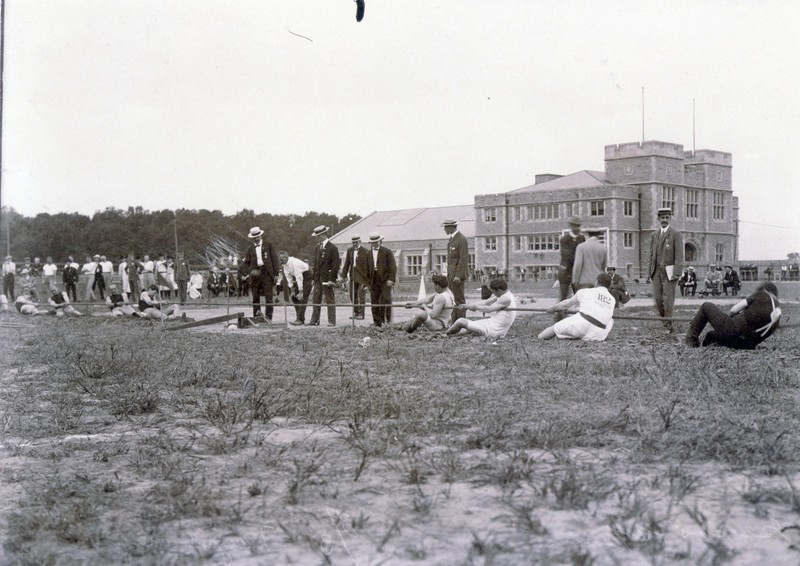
218 105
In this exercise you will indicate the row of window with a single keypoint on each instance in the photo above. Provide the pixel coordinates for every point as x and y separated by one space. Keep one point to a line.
552 211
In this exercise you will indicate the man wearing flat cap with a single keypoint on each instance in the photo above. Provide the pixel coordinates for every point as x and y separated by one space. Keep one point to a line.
324 272
262 263
382 272
666 262
457 265
354 270
567 244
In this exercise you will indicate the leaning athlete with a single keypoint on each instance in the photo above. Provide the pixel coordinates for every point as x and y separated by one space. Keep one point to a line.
593 321
502 303
436 308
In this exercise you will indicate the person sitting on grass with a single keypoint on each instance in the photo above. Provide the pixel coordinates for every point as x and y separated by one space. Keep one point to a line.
26 305
116 302
749 322
151 306
59 300
502 302
593 321
436 308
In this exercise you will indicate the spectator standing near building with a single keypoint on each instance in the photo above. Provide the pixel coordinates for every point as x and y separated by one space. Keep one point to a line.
568 243
666 261
457 265
354 271
382 273
324 271
590 261
263 265
70 278
9 273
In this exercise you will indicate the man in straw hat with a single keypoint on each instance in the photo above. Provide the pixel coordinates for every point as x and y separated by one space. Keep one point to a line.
457 265
666 261
354 269
324 272
382 272
262 263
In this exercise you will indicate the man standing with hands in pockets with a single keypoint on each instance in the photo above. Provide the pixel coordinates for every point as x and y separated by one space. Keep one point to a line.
666 262
457 266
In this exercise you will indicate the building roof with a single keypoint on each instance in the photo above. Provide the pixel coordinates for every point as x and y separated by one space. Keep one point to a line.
410 224
579 180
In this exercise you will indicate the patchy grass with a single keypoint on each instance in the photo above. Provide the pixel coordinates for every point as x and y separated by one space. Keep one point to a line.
124 443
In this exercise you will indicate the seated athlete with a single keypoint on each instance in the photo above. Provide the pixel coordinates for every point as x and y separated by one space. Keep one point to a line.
748 323
436 308
25 305
498 325
151 307
59 300
593 321
116 302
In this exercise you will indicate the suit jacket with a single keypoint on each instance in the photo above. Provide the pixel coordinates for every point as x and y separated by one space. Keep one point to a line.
590 261
325 263
359 266
567 245
458 257
666 250
386 268
268 257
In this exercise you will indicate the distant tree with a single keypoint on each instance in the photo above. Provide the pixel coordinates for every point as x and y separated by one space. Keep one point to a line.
794 256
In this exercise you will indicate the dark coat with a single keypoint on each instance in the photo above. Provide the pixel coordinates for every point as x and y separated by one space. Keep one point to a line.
386 268
325 263
666 250
458 257
272 267
358 267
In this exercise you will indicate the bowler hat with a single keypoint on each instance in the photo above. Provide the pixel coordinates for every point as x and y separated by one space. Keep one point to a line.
575 220
255 232
319 230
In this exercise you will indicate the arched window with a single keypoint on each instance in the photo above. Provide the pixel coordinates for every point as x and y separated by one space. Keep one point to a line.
690 253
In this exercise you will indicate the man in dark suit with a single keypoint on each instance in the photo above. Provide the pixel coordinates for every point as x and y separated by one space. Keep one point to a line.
355 270
666 262
324 271
457 266
568 244
262 263
382 272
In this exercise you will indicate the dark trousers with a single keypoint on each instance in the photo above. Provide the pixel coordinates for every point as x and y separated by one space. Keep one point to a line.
458 295
664 295
358 296
133 283
262 285
725 331
380 294
183 286
100 284
8 286
564 287
302 296
321 290
72 291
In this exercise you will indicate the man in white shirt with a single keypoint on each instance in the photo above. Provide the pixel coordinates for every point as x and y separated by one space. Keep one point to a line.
295 282
49 272
88 271
9 272
148 272
108 271
594 319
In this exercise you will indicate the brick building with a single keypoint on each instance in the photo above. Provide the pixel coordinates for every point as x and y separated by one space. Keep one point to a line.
518 231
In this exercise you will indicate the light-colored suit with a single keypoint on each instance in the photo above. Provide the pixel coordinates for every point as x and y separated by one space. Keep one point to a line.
590 261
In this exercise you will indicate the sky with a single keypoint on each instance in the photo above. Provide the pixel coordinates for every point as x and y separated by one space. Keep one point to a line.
289 107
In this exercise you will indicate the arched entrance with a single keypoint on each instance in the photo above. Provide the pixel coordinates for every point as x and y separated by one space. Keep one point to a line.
689 253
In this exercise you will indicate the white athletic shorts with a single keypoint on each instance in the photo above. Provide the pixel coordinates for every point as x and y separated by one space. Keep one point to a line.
576 327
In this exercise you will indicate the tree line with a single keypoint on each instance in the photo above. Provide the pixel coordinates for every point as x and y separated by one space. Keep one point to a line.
201 234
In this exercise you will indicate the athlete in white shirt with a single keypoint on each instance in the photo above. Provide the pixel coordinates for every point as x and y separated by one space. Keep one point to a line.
436 308
502 303
594 319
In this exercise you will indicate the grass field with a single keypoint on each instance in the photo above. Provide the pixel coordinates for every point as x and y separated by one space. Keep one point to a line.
122 443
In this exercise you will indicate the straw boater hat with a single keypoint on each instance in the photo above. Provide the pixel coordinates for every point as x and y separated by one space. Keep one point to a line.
374 237
319 230
574 220
255 232
96 256
664 211
355 238
450 223
690 268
